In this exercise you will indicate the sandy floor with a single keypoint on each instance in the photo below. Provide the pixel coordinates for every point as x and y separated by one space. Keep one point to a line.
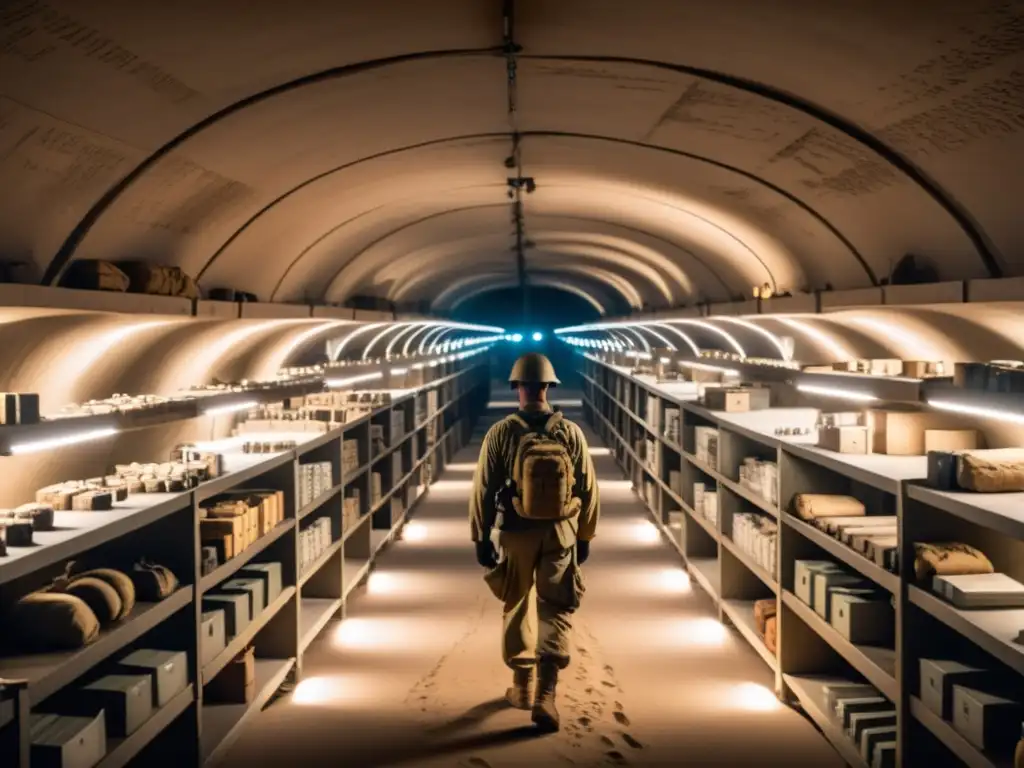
414 677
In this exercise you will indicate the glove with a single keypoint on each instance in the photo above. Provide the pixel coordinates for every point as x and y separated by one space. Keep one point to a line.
486 554
582 551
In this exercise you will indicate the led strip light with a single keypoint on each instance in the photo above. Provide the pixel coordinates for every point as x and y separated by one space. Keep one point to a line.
843 394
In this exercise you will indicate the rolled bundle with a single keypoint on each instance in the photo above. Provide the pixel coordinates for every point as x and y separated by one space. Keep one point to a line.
812 506
994 471
948 559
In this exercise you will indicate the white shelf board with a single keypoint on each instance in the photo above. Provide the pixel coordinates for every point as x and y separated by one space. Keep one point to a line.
77 532
877 470
748 561
852 558
354 570
314 614
120 751
222 723
994 631
741 613
1002 512
971 756
705 571
746 493
877 664
810 692
47 673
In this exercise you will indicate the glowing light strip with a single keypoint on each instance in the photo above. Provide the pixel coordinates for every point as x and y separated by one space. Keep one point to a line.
220 409
391 327
427 327
60 442
971 410
689 342
838 351
647 327
433 333
436 343
357 332
643 341
336 383
843 394
775 340
399 371
400 334
729 338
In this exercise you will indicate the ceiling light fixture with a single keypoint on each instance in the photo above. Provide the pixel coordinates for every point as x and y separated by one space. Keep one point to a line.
843 394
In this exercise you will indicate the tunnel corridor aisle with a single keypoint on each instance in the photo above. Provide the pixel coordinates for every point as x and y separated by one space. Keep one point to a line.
414 677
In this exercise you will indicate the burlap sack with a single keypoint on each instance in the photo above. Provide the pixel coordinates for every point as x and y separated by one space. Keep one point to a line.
120 582
51 621
948 559
99 596
153 582
810 506
994 471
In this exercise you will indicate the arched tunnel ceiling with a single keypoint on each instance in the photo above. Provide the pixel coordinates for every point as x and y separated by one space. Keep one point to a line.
320 150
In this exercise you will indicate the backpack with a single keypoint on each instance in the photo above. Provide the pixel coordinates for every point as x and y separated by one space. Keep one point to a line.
542 472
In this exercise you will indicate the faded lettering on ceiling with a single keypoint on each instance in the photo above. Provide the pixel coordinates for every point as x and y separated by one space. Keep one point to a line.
995 34
52 165
834 163
725 111
992 110
32 30
180 196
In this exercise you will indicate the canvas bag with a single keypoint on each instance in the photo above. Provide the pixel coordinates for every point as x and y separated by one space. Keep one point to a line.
542 472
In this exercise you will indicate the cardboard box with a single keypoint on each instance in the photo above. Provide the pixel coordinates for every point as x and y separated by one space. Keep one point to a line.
989 722
235 608
902 433
824 582
252 588
737 400
126 700
167 670
803 577
938 678
844 439
228 534
951 440
212 636
862 621
236 683
59 741
271 575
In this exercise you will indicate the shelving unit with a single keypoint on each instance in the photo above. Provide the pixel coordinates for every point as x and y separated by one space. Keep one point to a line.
281 633
810 652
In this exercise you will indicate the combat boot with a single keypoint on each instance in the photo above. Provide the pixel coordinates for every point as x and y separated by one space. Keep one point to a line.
545 715
520 695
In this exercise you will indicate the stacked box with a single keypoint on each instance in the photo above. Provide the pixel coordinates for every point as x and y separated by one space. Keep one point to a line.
315 479
351 509
672 426
377 444
757 535
761 477
375 488
652 414
349 456
707 445
314 540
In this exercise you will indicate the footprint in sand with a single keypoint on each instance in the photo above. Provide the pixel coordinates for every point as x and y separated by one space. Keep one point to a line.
617 757
621 718
607 741
585 722
607 684
618 706
631 741
479 762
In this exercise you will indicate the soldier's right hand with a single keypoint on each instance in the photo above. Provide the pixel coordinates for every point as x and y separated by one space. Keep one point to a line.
486 554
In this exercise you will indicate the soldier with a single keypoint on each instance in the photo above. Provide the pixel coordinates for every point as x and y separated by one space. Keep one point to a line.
535 469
